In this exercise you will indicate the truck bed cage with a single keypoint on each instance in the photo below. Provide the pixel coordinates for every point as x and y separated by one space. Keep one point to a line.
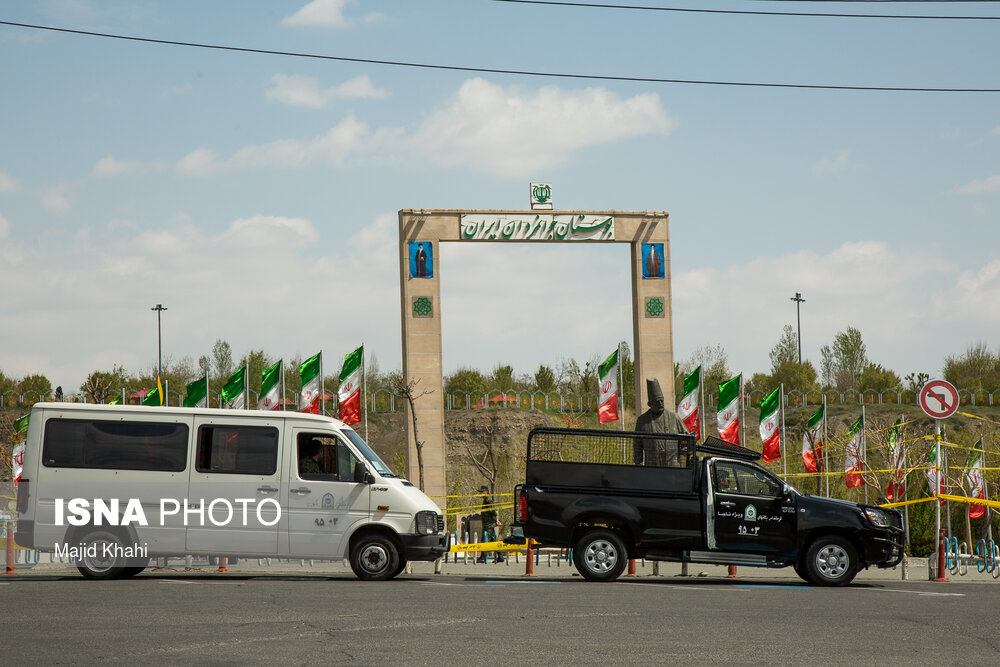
577 445
720 447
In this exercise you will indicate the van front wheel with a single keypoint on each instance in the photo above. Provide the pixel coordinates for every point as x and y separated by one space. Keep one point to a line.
101 559
375 558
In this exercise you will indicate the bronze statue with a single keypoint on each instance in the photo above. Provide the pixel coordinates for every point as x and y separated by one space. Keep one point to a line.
658 452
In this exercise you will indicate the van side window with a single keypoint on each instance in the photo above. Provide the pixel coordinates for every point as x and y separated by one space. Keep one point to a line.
323 457
317 456
238 450
115 445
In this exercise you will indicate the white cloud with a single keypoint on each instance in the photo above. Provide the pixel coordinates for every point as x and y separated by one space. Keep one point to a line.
888 292
832 165
349 138
172 91
4 227
111 167
302 91
55 200
517 133
326 14
268 231
988 184
8 184
485 126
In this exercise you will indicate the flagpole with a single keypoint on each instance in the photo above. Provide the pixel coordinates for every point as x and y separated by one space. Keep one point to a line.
742 418
864 448
166 393
701 404
620 399
281 371
781 433
364 387
826 456
322 398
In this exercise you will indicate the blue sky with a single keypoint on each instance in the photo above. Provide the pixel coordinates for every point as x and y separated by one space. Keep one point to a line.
255 196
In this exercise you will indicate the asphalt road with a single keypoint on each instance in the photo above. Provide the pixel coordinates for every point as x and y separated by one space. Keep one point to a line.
482 619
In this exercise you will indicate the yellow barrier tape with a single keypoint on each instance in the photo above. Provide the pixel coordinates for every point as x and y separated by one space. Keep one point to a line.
973 501
966 414
494 506
487 546
472 495
907 502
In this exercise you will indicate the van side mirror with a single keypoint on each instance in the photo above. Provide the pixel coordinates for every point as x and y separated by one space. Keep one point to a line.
361 474
787 492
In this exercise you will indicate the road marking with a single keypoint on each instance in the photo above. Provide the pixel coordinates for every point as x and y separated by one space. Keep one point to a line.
518 581
898 590
794 587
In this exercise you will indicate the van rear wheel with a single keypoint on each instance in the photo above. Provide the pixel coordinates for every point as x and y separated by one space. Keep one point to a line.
375 558
101 559
600 555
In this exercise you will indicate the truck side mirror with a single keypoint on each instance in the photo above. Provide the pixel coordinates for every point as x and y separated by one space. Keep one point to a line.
787 492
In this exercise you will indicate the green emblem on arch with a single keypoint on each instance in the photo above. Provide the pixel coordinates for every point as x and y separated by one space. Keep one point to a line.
423 306
654 307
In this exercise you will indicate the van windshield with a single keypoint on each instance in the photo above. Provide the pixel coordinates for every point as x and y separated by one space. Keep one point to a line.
366 451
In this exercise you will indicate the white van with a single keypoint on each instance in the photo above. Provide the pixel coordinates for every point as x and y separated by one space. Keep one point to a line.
115 486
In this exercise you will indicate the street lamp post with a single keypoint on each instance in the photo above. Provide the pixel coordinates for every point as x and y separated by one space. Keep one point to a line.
798 319
159 340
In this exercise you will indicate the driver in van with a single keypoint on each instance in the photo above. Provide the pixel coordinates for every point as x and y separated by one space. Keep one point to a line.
309 459
725 481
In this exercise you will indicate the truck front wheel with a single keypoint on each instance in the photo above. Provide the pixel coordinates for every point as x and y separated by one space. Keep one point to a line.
831 561
600 555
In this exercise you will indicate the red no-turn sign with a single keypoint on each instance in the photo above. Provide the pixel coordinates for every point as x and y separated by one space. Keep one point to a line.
939 399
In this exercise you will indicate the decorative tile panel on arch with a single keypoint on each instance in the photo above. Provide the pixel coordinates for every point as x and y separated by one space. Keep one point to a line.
423 306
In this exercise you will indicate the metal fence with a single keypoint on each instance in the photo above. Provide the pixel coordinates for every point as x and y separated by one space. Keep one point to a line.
386 401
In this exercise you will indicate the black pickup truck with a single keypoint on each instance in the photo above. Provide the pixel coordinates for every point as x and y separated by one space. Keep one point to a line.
612 496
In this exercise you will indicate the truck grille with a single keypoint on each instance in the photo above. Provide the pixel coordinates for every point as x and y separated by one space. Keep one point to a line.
440 523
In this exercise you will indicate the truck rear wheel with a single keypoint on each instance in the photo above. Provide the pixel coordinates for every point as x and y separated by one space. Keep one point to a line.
600 555
375 558
831 561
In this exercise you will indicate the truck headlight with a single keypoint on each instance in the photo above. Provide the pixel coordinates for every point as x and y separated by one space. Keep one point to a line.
877 517
427 523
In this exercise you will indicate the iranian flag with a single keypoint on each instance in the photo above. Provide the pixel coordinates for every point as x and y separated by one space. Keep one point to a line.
897 484
197 394
310 373
349 391
812 441
688 409
770 426
974 478
607 400
234 394
17 461
728 416
154 396
270 387
934 480
21 425
853 465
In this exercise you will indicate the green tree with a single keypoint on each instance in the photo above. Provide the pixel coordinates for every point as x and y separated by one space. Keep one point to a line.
255 361
878 379
977 369
502 378
916 380
101 386
466 381
222 359
843 360
714 368
545 379
785 350
35 385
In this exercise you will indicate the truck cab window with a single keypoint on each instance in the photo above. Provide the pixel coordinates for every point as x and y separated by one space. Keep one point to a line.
738 478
